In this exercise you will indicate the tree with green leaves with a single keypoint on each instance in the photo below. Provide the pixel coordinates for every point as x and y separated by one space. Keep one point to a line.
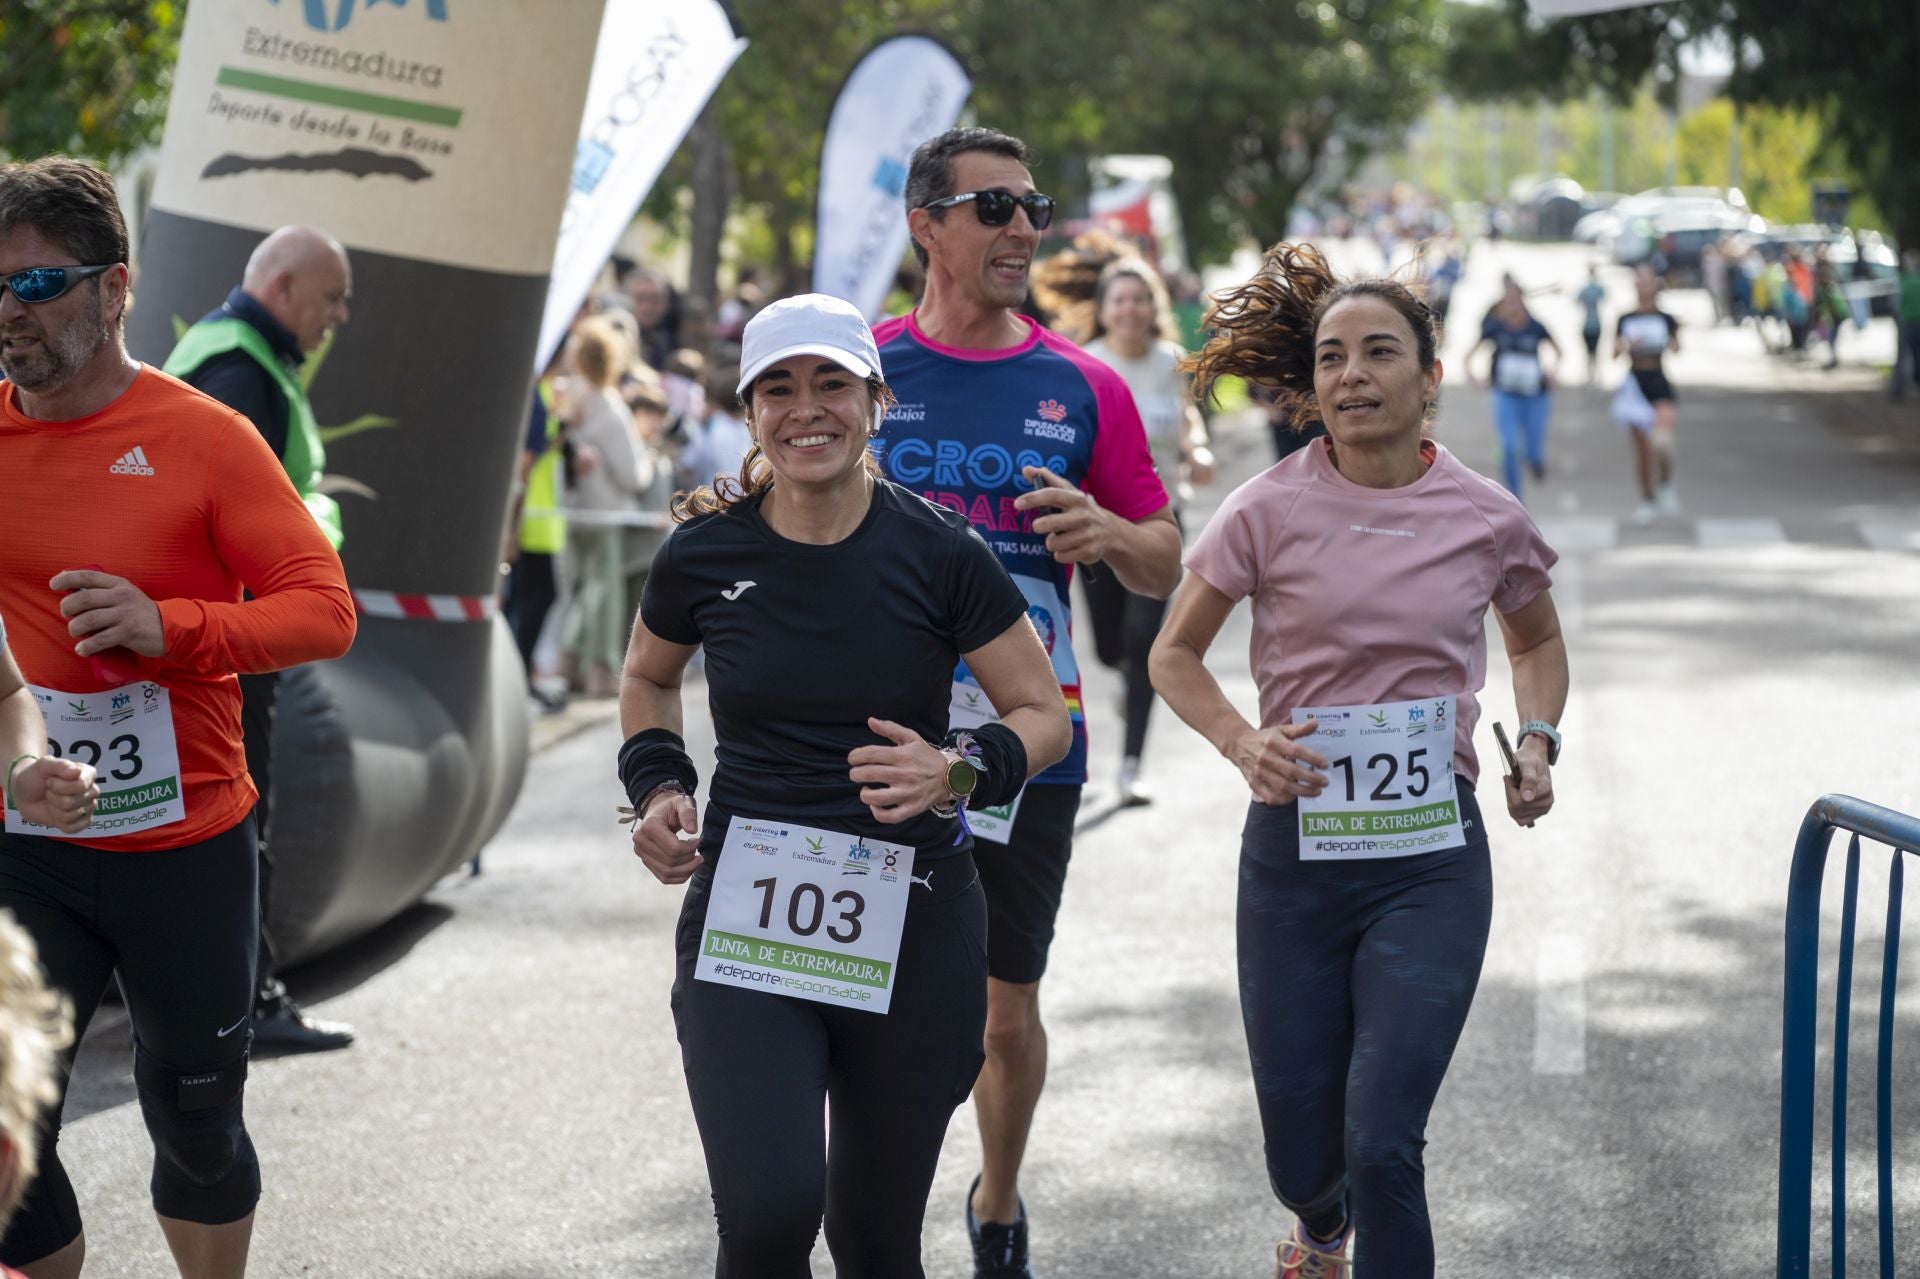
1253 100
85 76
1250 99
1852 67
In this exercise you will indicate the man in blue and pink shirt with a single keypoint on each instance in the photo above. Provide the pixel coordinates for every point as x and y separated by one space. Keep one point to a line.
1041 447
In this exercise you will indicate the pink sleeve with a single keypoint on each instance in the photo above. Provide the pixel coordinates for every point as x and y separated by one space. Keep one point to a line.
1232 549
1525 558
1120 475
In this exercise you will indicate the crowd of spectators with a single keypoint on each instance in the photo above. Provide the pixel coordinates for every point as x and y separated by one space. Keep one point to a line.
638 403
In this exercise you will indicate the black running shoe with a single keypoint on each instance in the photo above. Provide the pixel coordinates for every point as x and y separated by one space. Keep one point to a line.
999 1252
288 1027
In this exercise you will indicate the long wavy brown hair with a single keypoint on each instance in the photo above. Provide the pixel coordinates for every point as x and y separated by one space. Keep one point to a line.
1065 284
1263 330
756 473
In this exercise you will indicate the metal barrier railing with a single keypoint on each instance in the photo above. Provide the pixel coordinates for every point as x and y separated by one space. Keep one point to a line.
1902 833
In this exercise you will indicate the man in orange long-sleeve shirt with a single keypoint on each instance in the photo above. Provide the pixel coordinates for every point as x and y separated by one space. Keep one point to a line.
135 513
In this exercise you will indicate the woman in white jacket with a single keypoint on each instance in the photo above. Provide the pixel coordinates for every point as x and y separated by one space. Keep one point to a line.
611 469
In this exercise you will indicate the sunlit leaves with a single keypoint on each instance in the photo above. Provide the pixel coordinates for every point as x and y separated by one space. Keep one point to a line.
88 76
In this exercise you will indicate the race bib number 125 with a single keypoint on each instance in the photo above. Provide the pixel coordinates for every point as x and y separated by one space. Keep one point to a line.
1390 790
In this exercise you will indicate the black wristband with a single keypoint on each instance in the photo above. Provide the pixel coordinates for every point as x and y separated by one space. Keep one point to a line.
1001 758
654 756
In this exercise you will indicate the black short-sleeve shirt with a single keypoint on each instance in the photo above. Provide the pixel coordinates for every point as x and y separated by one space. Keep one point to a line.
804 642
1646 335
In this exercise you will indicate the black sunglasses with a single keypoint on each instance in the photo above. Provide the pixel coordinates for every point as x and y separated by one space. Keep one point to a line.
995 208
45 283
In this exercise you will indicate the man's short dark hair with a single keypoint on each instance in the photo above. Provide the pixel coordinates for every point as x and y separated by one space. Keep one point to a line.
71 202
930 173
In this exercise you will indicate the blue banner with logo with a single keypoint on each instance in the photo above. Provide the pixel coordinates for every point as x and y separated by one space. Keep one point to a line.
656 66
905 90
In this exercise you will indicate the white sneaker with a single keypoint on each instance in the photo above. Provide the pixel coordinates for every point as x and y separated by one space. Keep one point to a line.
1645 514
1132 793
1669 499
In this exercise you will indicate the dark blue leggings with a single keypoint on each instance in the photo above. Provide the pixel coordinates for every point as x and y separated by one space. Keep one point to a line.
1355 980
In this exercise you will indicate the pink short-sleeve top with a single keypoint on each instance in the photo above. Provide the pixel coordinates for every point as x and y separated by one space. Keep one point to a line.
1363 596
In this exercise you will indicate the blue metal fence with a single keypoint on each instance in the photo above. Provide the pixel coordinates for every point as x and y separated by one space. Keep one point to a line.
1902 833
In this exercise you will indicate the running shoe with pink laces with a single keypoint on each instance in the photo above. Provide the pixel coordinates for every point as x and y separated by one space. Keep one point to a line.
1296 1258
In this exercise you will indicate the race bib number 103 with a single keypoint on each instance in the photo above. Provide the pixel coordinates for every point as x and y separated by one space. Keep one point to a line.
815 914
1390 790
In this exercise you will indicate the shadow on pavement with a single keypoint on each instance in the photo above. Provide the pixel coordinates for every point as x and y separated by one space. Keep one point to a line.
345 967
1578 1194
103 1073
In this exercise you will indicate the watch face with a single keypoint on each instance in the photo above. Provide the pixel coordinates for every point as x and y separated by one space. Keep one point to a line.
962 777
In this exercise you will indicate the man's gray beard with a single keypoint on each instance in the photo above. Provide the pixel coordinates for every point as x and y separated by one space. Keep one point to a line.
62 354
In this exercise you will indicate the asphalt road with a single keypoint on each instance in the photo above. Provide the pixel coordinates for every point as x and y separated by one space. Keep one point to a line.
515 1108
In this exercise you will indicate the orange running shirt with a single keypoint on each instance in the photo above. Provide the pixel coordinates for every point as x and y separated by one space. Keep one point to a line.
178 494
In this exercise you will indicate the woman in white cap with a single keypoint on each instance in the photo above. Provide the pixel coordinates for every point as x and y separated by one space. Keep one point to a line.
831 946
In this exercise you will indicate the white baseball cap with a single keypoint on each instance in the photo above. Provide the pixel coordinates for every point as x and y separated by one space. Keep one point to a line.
809 324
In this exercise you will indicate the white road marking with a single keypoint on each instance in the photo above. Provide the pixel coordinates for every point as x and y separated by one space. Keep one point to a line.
1891 535
1560 1007
1567 533
1739 532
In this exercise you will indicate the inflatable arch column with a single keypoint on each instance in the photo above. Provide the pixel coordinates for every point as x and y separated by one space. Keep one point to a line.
433 138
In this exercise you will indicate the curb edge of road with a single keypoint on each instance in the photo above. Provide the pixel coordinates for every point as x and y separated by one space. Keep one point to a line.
573 719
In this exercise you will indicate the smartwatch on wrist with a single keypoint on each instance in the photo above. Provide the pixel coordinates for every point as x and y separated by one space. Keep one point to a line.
1543 729
962 776
962 779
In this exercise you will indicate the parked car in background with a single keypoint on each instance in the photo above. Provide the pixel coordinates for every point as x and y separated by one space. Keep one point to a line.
1545 208
1681 243
1597 216
1700 211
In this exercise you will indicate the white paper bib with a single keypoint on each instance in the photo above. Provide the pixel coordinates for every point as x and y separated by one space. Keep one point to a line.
126 733
1390 789
815 914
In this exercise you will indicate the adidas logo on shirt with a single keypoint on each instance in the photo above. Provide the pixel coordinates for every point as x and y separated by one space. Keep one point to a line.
133 463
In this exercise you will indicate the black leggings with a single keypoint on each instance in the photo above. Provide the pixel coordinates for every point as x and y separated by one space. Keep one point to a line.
1355 981
1124 627
759 1066
182 926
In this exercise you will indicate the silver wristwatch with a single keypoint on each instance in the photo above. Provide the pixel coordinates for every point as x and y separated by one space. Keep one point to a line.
1544 729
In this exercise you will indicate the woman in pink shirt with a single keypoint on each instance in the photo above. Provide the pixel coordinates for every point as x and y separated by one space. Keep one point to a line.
1371 558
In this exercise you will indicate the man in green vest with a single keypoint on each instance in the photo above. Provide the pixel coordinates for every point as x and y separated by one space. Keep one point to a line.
248 355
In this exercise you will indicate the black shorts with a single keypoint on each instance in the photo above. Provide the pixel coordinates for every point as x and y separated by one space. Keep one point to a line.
1592 338
1654 385
1024 879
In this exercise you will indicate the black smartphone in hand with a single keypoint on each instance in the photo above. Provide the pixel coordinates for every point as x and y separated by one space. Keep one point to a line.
1506 752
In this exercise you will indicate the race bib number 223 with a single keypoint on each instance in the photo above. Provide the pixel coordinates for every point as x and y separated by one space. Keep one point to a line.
126 734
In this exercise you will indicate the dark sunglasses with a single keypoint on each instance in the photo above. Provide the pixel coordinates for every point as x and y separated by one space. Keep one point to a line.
995 208
45 283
